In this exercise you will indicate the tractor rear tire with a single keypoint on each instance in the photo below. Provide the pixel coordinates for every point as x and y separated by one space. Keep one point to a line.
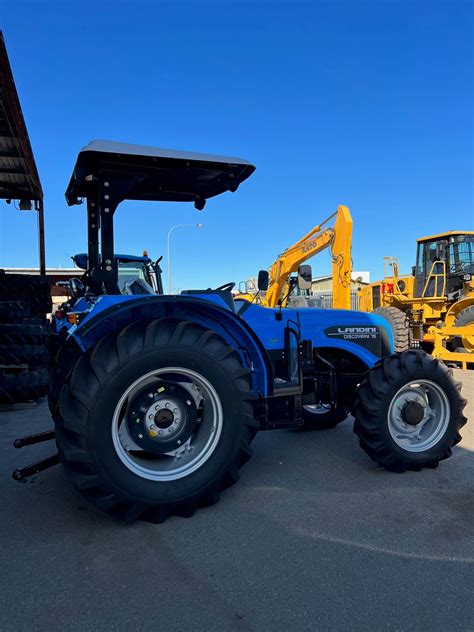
394 410
18 388
99 405
399 323
320 419
65 358
465 317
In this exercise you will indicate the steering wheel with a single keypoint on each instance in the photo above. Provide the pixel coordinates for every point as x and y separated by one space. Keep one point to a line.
227 287
457 267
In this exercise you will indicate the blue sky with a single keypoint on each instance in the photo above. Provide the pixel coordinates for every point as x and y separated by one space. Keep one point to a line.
363 103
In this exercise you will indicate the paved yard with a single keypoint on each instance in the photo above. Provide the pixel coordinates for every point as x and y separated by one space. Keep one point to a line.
314 536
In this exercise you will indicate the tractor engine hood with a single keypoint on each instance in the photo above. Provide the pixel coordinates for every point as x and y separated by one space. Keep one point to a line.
165 174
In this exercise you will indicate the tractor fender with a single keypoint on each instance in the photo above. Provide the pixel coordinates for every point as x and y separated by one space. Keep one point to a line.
456 309
111 313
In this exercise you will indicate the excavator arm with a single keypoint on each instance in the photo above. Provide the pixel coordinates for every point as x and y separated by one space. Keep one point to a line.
338 238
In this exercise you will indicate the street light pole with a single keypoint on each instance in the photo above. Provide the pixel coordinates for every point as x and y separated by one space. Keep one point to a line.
168 248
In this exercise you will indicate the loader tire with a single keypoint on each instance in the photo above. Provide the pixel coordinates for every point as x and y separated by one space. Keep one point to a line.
389 406
10 310
23 387
20 334
317 418
399 323
33 355
109 390
464 344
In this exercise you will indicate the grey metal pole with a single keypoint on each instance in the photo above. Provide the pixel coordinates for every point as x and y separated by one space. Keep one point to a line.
168 249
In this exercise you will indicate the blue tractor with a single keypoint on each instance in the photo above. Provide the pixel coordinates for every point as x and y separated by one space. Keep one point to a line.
156 399
135 274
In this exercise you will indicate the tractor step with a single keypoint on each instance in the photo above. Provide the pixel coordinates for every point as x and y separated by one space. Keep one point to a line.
30 470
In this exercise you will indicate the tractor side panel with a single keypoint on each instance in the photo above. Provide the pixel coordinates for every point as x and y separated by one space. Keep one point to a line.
111 313
366 336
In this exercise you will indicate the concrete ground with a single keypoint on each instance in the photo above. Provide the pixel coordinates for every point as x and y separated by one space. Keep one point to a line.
314 537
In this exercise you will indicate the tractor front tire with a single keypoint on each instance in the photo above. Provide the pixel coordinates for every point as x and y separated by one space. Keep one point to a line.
399 324
409 411
195 390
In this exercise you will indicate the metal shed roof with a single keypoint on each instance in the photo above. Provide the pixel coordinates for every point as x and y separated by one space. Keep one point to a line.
19 179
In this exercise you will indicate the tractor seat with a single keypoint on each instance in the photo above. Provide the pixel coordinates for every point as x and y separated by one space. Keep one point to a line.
138 286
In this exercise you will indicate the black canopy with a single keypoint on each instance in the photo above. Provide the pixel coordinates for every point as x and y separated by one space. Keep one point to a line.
162 174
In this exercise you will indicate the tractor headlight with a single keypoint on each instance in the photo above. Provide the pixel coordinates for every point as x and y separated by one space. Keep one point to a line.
466 277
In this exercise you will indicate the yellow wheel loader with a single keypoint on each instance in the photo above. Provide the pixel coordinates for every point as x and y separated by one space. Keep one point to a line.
434 306
275 287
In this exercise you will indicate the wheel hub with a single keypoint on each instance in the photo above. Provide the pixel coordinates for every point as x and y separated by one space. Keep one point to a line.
418 415
162 417
412 412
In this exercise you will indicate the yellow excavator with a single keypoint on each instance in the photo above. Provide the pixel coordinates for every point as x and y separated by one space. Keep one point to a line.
335 233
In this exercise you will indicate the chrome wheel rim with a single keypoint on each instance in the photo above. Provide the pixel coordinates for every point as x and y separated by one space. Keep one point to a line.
162 419
431 405
318 409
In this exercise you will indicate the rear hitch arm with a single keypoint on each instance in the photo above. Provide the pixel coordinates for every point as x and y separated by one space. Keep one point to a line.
30 470
21 473
34 438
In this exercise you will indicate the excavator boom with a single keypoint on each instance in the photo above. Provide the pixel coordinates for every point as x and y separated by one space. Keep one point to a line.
338 238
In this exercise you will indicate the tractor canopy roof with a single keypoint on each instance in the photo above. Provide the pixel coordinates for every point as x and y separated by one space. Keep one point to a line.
81 259
160 174
447 234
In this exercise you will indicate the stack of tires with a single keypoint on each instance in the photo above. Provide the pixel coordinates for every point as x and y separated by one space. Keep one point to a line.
24 337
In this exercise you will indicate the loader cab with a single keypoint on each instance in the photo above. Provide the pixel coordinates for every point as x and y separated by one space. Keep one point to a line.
443 264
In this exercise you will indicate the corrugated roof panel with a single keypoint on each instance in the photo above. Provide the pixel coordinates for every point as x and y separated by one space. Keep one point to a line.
19 179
